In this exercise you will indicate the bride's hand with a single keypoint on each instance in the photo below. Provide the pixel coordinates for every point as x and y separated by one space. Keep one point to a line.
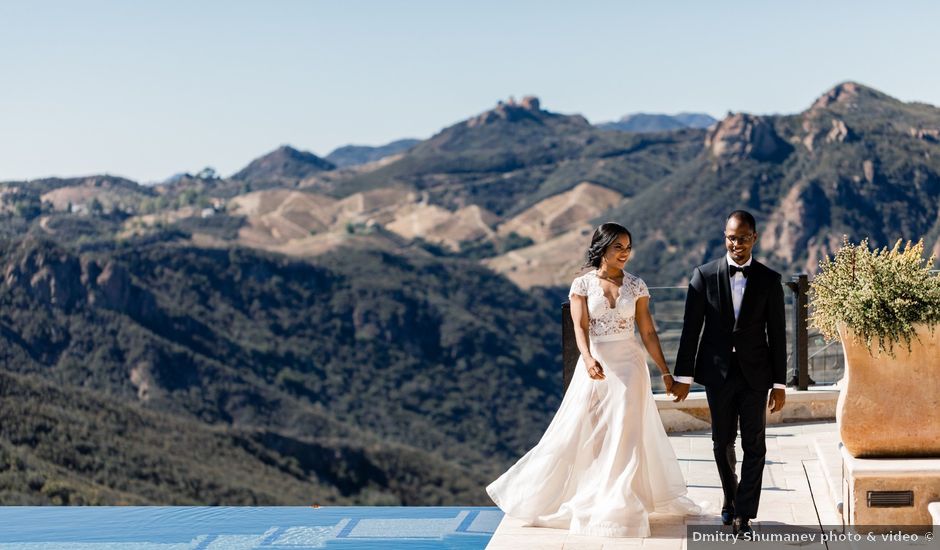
667 381
594 369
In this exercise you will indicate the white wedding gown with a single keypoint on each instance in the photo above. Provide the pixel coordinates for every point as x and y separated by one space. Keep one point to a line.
605 462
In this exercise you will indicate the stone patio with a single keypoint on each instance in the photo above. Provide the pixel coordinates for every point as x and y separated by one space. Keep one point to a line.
795 492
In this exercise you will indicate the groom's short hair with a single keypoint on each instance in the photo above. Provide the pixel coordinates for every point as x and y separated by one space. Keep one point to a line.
744 216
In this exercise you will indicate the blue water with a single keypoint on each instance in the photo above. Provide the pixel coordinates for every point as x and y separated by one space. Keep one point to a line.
243 528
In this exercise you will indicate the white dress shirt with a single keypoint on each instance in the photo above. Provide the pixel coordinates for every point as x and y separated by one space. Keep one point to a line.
738 284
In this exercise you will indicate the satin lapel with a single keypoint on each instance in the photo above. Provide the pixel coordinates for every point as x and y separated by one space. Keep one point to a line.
753 282
724 294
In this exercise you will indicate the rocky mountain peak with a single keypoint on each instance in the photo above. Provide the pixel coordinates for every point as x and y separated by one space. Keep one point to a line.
844 93
849 96
743 135
510 111
530 102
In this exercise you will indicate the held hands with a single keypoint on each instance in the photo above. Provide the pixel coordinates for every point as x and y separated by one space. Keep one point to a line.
777 398
594 369
680 390
668 382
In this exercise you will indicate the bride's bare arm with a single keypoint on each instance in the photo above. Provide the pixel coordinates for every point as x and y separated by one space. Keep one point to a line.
647 330
582 323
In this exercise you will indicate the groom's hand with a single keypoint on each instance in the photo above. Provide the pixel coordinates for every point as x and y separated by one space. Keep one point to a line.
680 390
777 398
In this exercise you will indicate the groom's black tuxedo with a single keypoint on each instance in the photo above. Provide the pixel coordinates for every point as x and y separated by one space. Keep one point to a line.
758 335
737 360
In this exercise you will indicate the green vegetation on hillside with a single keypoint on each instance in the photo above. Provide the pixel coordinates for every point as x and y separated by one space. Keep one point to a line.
390 364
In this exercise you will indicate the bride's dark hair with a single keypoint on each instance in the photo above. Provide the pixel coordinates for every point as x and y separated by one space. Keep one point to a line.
604 236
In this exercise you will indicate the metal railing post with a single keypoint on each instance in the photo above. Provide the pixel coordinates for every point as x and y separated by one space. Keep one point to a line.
800 287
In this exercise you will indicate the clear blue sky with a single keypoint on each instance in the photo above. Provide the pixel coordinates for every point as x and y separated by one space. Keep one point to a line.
148 89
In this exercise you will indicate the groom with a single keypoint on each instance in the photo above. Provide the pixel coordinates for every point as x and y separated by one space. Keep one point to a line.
741 354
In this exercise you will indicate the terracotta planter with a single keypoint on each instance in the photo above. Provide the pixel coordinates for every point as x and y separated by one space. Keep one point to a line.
890 407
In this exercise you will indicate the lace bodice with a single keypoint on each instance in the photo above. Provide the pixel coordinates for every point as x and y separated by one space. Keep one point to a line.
608 323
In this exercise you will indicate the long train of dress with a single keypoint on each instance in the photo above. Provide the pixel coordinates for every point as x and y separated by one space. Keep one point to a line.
605 462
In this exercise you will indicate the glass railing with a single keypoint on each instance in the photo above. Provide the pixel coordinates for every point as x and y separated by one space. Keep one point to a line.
667 305
825 360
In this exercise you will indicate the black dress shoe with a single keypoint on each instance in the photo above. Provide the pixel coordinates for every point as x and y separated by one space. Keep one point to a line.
741 526
727 516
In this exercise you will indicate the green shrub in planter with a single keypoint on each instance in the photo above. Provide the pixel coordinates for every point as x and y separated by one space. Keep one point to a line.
878 294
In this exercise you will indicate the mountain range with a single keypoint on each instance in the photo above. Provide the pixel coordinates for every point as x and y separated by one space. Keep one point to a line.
653 122
381 325
352 155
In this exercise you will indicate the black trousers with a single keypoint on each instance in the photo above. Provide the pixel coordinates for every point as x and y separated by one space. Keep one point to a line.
731 403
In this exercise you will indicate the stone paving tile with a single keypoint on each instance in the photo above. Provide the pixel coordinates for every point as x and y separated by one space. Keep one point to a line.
583 545
663 544
520 542
623 544
825 505
786 497
514 526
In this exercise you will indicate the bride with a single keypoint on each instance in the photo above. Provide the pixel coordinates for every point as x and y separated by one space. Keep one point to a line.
605 462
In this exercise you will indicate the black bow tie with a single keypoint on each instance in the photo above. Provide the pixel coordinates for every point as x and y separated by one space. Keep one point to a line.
732 269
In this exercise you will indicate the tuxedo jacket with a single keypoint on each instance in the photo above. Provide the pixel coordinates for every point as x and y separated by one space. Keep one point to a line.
759 335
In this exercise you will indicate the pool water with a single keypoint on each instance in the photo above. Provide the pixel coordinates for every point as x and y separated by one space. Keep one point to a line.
243 528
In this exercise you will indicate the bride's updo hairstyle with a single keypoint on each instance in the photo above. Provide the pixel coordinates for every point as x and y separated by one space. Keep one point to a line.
604 236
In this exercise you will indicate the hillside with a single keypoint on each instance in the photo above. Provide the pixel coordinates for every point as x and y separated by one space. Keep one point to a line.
394 364
69 445
282 165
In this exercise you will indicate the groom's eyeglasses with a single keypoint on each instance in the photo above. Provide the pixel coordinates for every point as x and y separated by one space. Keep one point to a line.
743 239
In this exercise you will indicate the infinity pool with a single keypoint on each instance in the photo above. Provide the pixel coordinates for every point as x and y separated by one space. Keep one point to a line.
243 528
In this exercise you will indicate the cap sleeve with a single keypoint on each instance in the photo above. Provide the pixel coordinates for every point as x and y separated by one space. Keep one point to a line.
640 290
578 287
